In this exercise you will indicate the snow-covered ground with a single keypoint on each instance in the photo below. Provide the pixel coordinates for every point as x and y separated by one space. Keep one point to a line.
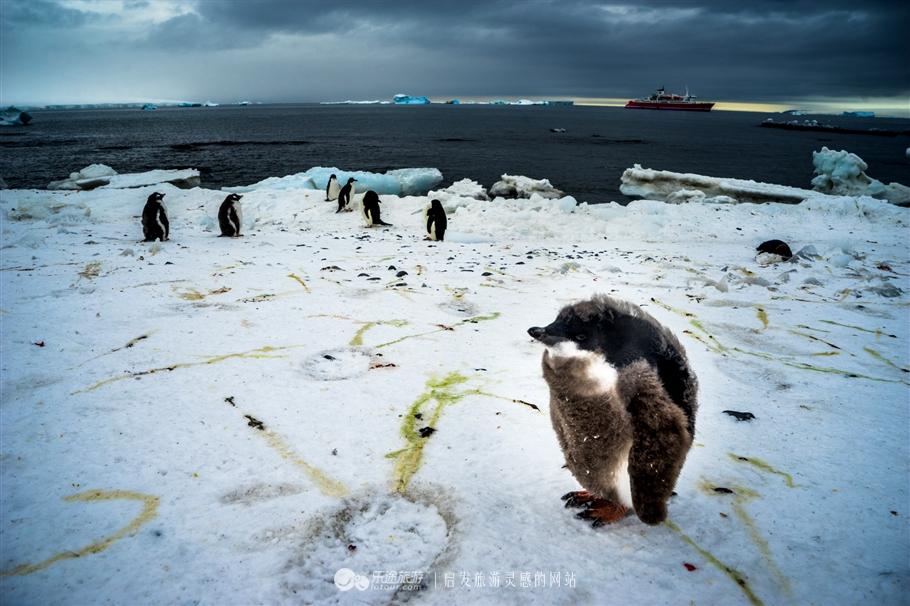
243 421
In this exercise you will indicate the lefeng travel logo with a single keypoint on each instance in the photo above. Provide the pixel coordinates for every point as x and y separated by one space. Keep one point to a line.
346 579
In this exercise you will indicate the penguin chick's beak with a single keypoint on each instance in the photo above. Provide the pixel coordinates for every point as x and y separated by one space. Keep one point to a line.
541 335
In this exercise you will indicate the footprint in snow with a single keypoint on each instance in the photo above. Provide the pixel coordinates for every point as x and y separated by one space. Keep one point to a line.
337 364
367 534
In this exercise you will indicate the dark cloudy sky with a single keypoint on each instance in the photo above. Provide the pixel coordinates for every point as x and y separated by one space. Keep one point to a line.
56 51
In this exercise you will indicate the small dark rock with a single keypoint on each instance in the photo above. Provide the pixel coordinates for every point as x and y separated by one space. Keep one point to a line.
255 423
426 432
392 268
487 273
328 357
400 274
723 490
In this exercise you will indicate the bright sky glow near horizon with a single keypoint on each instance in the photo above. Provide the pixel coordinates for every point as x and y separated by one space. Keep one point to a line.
833 55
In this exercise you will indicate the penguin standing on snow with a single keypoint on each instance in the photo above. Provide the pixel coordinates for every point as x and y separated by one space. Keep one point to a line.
332 189
435 216
230 216
371 214
346 196
155 225
622 403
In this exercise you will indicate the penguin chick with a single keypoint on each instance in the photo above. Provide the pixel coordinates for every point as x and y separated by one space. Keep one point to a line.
622 404
155 225
230 216
435 216
332 189
346 196
371 214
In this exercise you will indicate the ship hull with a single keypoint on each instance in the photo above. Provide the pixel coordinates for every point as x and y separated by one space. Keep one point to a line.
678 106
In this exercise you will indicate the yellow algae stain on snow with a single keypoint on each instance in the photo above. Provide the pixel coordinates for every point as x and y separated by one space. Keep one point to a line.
731 572
763 466
92 270
409 458
878 356
300 280
325 484
258 353
741 496
149 511
762 317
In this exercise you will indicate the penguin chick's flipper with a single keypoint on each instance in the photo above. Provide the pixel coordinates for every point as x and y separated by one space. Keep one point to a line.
660 441
603 512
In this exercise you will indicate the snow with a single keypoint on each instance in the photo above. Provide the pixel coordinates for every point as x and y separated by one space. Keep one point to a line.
465 188
102 176
235 420
843 173
402 181
517 186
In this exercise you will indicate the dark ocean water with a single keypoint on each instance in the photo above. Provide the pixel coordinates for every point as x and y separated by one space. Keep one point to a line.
242 145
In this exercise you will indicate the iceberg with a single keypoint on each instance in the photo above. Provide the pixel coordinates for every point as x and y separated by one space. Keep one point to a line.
13 116
838 173
402 99
668 186
399 182
842 173
96 176
516 186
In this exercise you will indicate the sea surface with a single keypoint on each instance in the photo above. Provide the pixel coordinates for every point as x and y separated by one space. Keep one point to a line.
233 145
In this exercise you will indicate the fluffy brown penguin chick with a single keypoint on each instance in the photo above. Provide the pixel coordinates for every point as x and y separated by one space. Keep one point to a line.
622 403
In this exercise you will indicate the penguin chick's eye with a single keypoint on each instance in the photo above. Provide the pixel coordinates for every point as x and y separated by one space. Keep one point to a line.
580 338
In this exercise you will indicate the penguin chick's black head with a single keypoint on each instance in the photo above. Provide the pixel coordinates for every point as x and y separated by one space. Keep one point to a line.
233 198
155 197
351 180
617 329
436 204
370 197
332 177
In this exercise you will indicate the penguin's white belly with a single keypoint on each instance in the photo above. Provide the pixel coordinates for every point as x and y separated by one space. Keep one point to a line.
621 480
334 190
239 212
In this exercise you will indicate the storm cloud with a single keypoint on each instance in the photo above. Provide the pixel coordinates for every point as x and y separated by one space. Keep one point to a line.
292 50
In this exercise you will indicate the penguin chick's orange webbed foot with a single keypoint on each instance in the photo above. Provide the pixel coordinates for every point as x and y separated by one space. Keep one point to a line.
578 498
601 512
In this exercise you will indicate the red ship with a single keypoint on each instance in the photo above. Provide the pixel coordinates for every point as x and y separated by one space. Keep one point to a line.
664 100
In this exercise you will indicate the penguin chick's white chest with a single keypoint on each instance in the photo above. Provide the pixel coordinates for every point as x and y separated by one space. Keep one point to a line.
602 374
334 189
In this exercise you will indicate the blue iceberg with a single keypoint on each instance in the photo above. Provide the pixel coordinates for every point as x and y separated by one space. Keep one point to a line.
401 99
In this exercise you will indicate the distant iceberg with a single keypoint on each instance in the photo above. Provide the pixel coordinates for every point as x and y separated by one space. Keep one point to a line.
402 99
400 182
859 114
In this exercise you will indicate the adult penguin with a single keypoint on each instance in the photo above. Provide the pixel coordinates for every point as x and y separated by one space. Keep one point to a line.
435 216
346 196
155 225
332 189
371 215
229 216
